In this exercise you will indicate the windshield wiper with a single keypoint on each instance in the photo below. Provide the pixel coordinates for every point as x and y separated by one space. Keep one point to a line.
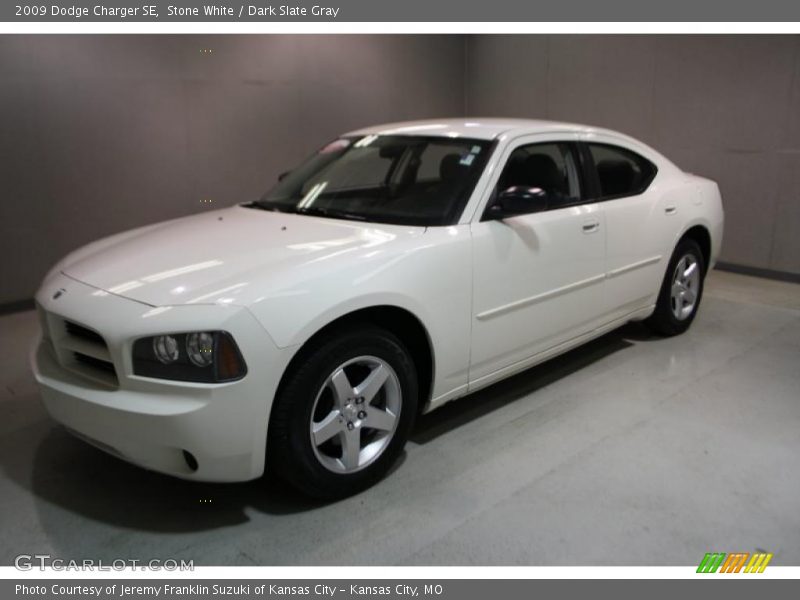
260 205
309 210
327 212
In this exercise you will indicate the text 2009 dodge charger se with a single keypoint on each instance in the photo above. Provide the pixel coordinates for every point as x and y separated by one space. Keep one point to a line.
398 268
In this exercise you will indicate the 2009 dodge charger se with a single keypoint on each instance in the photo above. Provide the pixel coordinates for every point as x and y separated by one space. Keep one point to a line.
398 268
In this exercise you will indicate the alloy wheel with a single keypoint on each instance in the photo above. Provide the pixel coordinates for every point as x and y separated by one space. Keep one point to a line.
355 414
685 287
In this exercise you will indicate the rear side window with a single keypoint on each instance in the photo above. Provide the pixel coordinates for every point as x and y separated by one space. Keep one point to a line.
621 172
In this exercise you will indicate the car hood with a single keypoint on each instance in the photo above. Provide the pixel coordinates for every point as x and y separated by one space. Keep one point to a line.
225 256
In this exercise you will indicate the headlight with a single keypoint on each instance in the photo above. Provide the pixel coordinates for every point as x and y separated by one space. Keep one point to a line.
201 356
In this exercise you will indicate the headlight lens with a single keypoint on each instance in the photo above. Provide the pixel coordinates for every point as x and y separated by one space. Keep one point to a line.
165 348
200 356
200 348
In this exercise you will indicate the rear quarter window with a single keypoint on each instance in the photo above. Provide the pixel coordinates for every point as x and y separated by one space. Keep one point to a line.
620 172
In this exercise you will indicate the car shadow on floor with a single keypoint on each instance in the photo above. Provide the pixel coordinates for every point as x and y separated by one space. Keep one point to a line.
475 405
83 480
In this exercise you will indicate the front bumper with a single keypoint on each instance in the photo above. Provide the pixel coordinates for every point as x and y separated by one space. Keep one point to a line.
150 422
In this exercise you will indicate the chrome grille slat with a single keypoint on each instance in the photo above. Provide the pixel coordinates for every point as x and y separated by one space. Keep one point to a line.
79 331
95 363
82 346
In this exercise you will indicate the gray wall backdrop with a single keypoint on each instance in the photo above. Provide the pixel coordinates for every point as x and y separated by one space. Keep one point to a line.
726 107
99 134
103 133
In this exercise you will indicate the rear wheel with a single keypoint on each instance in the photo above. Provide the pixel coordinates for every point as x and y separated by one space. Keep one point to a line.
343 416
681 290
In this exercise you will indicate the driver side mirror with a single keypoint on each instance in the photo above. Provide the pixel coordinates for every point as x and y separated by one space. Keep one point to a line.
518 200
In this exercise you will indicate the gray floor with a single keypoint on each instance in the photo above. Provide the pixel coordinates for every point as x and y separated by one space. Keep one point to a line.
631 450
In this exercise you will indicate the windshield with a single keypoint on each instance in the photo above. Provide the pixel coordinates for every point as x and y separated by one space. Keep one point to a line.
400 179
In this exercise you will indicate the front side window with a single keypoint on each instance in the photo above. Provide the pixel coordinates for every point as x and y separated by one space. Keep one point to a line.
414 180
620 172
550 167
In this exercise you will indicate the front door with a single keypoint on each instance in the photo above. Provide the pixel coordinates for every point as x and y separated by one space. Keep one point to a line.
538 279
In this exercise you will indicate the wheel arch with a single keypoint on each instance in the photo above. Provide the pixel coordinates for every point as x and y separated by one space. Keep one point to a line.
700 234
401 322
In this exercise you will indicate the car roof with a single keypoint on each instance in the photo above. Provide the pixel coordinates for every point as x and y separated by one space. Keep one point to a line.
477 128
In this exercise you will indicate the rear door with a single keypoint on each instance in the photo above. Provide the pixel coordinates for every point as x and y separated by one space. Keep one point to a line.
638 223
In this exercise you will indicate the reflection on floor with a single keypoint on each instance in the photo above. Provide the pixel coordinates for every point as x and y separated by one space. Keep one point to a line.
631 450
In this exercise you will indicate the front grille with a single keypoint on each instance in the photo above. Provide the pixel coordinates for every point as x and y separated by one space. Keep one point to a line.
82 350
82 332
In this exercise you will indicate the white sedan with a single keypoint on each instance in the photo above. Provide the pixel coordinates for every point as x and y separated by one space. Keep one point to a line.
396 269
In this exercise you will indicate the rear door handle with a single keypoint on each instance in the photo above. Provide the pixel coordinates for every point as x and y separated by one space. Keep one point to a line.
591 226
671 210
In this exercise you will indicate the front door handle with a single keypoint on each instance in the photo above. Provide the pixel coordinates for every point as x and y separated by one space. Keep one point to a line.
671 210
591 226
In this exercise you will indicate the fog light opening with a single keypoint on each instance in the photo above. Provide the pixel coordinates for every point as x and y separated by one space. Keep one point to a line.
191 461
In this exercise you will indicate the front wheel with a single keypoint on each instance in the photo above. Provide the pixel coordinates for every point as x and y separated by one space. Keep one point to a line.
344 414
681 290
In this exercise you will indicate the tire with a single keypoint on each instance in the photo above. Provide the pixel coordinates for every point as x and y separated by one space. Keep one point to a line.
330 435
675 312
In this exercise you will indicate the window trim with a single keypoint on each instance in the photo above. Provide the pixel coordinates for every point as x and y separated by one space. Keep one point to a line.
594 178
574 146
